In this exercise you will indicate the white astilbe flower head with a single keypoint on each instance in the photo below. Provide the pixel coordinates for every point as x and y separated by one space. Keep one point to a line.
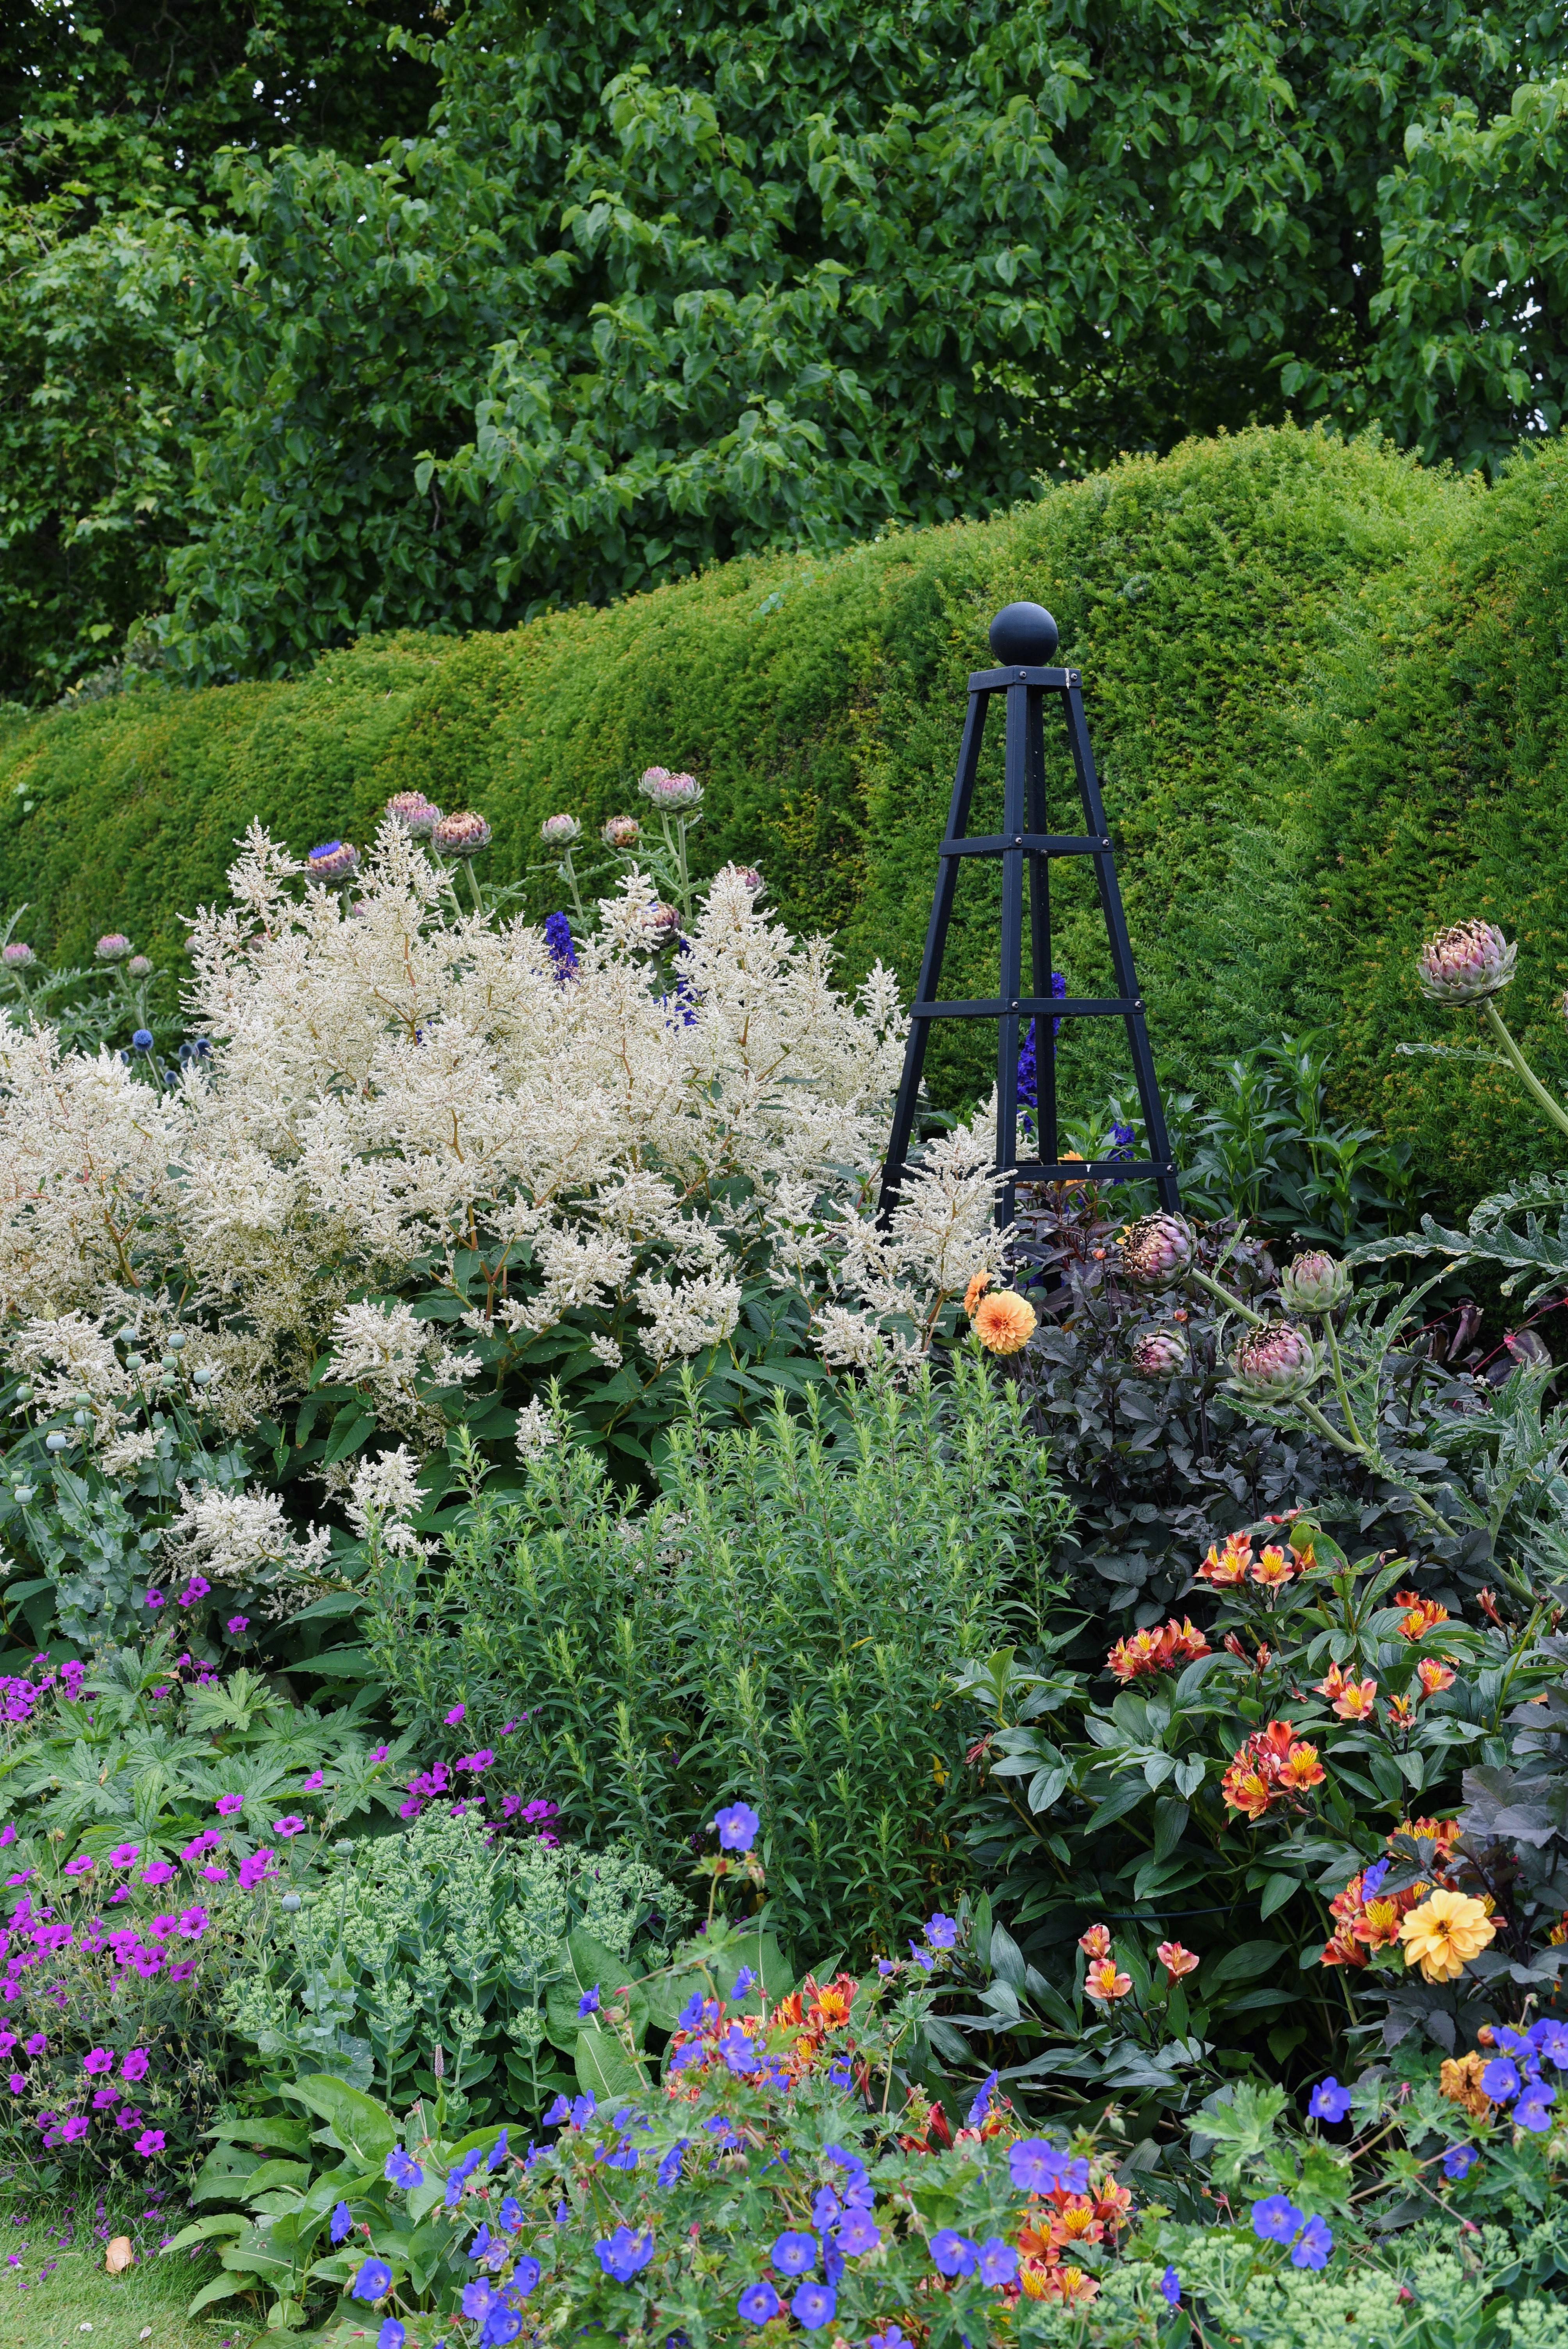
383 1495
684 1316
234 1536
403 1105
536 1430
127 1454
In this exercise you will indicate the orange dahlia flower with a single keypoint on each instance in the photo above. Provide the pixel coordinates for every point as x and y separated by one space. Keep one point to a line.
1003 1323
979 1283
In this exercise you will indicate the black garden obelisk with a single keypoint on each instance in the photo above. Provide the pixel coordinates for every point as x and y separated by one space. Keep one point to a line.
1024 637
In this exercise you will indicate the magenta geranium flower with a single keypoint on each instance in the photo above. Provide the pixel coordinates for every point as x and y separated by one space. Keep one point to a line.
81 1865
125 1855
193 1923
291 1825
155 1599
455 1715
149 2142
98 2059
158 1871
236 1624
230 1805
135 2065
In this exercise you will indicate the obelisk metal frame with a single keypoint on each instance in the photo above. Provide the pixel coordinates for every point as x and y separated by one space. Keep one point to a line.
1024 842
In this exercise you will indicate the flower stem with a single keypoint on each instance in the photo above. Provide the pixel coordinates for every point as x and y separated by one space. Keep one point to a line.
1544 1101
1224 1297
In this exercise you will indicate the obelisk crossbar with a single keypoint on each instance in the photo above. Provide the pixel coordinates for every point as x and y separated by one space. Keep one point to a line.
1024 637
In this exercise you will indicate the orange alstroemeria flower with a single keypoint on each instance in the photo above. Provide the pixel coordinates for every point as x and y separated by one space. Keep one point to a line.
1434 1677
1401 1712
1357 1700
1301 1769
1077 2226
1273 1569
1176 1961
1224 1567
1112 2203
1344 1950
1424 1613
1102 1983
1096 1943
1071 2285
1246 1790
1272 1743
1377 1927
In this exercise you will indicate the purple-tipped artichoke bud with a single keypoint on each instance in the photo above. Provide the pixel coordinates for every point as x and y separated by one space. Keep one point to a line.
1315 1283
1274 1363
1159 1353
560 831
620 832
17 955
750 877
1467 963
464 834
671 791
140 967
1156 1250
113 947
336 861
417 815
661 921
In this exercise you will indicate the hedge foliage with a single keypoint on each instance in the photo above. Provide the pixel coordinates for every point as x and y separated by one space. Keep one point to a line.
1326 688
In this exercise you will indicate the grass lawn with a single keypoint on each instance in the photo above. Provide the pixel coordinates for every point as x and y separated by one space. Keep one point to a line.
56 2294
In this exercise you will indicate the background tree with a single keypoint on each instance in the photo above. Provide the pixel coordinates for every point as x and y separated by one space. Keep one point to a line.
668 281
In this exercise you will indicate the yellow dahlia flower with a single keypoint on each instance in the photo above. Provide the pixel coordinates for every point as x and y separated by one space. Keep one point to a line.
1444 1933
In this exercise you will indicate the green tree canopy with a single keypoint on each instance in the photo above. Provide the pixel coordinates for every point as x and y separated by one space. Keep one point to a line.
668 281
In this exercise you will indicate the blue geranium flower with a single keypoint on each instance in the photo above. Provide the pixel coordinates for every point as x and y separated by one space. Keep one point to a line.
669 2169
1330 2102
341 2223
1500 2080
482 2245
561 2110
825 2208
390 2335
814 2305
402 2169
737 1827
508 2218
476 2299
858 2233
625 2156
852 2165
757 2302
694 2013
589 2001
524 2276
1276 2220
623 2254
584 2110
374 2280
1313 2246
1170 2288
1460 2160
794 2253
498 2152
999 2261
941 1931
1037 2167
981 2104
953 2253
1532 2111
745 1983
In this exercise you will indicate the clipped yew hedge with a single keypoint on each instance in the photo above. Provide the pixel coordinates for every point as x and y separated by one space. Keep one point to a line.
1326 690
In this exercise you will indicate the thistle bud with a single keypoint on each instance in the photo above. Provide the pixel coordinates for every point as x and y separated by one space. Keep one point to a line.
620 832
1315 1283
670 791
112 947
1156 1250
1274 1363
333 862
660 921
465 834
560 831
1465 963
413 813
18 957
1158 1353
140 967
